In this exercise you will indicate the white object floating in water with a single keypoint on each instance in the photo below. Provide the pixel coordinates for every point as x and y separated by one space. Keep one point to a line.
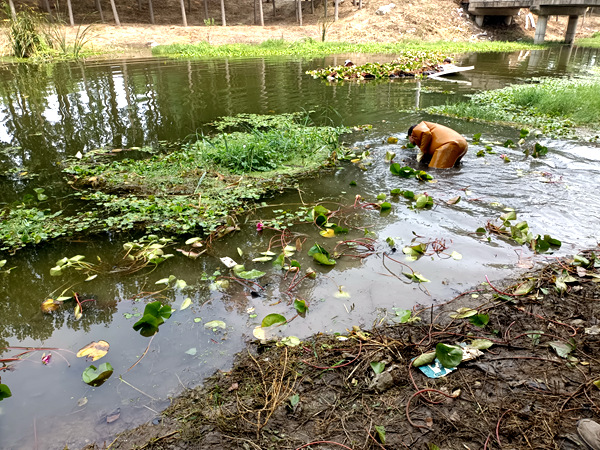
79 155
450 69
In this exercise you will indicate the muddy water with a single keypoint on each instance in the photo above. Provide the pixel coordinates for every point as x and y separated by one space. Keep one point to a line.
49 112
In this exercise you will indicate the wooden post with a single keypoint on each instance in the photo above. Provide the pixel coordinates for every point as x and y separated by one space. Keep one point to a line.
13 12
99 8
151 11
182 3
223 22
336 10
206 9
70 9
299 11
274 10
115 13
260 13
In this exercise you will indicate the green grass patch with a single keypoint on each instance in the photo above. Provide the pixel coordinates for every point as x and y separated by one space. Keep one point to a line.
555 106
312 48
593 41
191 188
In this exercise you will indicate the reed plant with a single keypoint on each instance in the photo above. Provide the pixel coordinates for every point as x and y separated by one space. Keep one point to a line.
23 33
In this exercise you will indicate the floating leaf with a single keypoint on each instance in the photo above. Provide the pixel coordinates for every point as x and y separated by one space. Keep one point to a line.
96 376
423 201
453 200
55 271
240 251
186 303
180 284
91 277
389 156
251 274
300 306
262 259
260 333
378 367
416 277
449 355
321 255
193 240
94 350
385 206
163 281
4 392
328 233
272 319
49 305
214 324
403 316
77 312
153 317
290 341
197 319
191 351
455 255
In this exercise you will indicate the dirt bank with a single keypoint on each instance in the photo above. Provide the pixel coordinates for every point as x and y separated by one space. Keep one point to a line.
527 390
429 20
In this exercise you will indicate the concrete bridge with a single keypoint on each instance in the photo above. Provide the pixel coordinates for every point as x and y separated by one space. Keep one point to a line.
542 8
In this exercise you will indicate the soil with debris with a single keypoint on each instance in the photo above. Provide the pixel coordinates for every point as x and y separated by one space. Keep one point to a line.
528 390
429 20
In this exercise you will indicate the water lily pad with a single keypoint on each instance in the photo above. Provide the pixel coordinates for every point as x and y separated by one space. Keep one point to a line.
94 350
251 274
214 324
97 376
449 355
272 319
186 303
4 392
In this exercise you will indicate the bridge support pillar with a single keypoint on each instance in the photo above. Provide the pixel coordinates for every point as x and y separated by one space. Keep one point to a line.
571 29
540 30
479 20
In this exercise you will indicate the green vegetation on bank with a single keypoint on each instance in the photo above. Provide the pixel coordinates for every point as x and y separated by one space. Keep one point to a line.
312 48
555 106
593 41
194 187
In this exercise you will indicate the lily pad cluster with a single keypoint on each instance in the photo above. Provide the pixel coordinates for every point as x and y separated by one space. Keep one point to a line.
409 64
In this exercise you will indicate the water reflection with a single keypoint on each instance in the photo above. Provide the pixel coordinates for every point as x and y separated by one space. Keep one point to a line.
51 112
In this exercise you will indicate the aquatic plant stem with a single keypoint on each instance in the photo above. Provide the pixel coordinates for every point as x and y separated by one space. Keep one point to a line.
133 387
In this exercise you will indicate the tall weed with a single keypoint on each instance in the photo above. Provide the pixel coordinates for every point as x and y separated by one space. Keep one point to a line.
23 35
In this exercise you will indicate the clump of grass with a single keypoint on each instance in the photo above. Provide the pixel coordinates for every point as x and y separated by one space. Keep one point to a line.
593 41
311 48
24 37
554 105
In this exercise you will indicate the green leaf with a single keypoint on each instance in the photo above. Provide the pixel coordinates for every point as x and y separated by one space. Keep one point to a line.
381 196
378 367
319 210
186 303
385 206
479 320
424 359
294 400
180 284
404 172
290 341
251 274
263 258
481 344
416 277
55 271
463 313
300 306
4 392
272 319
96 376
510 215
525 287
380 430
449 355
279 261
403 316
562 348
214 324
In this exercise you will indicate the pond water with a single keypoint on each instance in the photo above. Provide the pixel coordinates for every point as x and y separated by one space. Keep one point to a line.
51 112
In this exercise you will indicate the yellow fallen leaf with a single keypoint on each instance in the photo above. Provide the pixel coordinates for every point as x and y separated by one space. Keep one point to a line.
328 233
50 305
392 140
94 350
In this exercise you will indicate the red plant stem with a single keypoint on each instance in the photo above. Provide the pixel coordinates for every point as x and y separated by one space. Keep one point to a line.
498 427
553 321
338 366
323 442
419 393
502 292
486 441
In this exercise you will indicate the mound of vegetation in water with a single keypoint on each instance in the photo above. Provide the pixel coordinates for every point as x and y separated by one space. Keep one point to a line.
193 187
558 107
410 64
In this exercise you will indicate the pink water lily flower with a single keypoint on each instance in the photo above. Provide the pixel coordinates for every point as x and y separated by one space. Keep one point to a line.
259 226
46 358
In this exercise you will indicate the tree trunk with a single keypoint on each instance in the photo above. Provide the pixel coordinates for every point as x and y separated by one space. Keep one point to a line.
70 9
46 6
299 11
260 13
151 10
223 22
206 9
139 5
13 12
274 11
99 8
325 6
189 6
115 13
359 4
336 9
184 18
